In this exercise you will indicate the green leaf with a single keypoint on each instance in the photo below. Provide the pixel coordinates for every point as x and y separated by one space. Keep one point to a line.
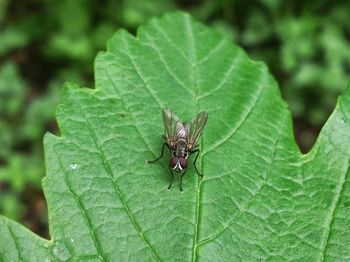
260 199
19 244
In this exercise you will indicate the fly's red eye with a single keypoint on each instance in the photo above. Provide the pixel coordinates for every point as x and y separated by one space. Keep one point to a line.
173 162
183 162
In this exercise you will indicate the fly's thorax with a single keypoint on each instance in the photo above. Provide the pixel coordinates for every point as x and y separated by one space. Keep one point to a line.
181 148
178 163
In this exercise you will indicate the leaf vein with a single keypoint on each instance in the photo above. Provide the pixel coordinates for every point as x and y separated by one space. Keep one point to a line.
212 52
334 205
124 202
227 74
171 73
249 202
14 241
144 82
83 209
172 43
239 124
118 190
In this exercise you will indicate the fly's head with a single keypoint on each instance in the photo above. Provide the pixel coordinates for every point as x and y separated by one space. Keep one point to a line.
178 163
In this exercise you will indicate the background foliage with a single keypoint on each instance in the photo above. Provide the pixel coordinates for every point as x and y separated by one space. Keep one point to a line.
45 43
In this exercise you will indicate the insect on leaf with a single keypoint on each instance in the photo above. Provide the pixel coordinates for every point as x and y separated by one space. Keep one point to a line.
260 199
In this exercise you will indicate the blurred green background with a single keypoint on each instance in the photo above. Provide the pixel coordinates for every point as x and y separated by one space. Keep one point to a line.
44 43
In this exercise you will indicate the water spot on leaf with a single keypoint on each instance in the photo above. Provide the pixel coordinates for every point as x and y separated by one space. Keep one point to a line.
73 166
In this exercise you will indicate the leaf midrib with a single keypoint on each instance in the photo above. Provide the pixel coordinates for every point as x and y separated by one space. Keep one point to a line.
195 86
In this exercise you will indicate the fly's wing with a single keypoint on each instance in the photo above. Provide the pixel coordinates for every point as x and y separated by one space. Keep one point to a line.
195 128
170 121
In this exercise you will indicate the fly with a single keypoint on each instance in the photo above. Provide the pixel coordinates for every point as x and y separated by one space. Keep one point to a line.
182 141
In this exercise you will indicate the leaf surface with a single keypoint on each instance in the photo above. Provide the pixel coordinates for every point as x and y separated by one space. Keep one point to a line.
260 199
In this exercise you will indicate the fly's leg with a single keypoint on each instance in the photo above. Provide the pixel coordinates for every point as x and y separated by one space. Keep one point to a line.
181 180
172 177
161 154
195 160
